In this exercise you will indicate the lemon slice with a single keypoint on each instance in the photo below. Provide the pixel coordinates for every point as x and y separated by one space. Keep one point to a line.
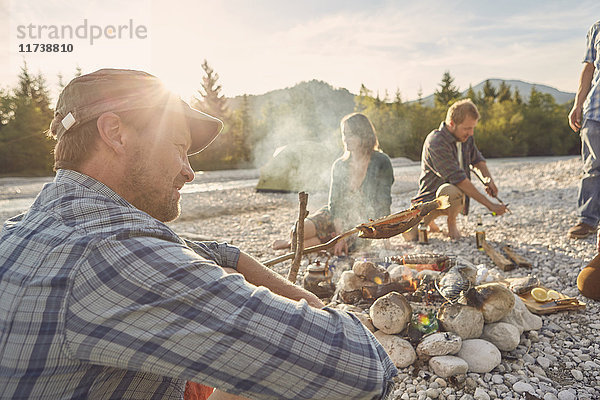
553 295
539 294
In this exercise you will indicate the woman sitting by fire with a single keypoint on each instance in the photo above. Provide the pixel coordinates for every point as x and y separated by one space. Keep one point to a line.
360 188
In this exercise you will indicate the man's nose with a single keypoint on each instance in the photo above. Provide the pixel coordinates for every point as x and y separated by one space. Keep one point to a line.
187 171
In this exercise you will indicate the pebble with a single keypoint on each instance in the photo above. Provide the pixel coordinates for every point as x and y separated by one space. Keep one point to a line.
481 394
544 362
577 374
566 395
522 387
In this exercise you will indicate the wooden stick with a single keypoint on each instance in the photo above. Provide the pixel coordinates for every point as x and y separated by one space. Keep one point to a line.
319 247
517 258
303 198
501 262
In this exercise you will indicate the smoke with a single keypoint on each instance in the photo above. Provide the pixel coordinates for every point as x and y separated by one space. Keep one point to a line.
292 157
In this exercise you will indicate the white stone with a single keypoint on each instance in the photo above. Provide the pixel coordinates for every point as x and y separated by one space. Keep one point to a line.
566 395
522 318
349 282
371 272
498 301
439 344
543 361
481 394
391 313
504 336
578 375
481 355
465 321
522 387
447 366
400 351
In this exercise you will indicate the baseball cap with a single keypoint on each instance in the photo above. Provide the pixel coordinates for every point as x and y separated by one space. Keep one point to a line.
112 90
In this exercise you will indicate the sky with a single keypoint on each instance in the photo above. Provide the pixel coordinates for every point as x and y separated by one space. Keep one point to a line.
257 46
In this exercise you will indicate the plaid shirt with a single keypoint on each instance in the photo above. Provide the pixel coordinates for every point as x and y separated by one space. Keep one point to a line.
440 164
99 300
591 106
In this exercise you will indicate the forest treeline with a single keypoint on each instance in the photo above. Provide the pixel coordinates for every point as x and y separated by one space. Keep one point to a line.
255 126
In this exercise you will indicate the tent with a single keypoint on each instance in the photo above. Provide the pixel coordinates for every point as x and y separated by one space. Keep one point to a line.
302 166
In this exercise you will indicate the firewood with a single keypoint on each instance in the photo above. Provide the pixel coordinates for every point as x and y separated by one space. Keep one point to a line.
501 262
517 258
303 198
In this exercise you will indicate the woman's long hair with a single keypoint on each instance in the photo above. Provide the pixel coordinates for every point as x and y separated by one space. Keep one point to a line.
357 124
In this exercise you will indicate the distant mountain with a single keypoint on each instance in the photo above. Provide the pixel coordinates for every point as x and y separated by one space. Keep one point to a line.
342 101
524 90
338 100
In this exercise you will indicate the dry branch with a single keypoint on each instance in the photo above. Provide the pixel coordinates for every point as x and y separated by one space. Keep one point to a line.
303 198
501 262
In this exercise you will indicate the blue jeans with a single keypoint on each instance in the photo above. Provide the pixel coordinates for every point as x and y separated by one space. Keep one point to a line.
589 188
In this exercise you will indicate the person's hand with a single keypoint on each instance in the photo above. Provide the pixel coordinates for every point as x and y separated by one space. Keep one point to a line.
575 118
491 188
313 300
340 248
498 209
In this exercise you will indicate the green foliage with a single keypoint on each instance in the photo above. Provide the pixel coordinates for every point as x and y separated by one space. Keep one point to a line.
25 115
508 126
448 92
255 126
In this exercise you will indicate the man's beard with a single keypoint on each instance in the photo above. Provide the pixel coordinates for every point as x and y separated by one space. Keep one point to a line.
163 206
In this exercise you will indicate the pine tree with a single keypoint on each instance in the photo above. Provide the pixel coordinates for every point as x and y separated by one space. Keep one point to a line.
474 96
210 100
448 91
24 147
517 97
489 92
504 92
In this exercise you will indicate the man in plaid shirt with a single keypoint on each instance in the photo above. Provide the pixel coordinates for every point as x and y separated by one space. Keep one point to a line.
585 118
448 155
101 299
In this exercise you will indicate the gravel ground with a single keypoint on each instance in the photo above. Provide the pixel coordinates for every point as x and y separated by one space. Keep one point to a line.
557 362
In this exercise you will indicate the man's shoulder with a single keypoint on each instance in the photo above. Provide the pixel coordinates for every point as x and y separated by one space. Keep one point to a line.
438 138
594 31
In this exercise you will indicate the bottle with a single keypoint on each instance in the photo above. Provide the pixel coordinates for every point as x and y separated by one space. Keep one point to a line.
479 234
423 233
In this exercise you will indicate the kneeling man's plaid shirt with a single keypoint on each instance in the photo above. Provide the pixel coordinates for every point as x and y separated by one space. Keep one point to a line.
99 300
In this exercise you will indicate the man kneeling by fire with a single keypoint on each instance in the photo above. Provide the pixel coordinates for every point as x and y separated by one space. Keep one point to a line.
448 154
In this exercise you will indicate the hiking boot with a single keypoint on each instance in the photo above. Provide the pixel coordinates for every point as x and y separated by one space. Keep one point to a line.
581 230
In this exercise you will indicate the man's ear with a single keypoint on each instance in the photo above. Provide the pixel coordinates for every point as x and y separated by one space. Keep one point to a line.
111 130
451 126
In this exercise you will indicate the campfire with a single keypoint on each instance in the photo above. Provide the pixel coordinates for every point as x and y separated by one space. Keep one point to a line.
430 307
437 309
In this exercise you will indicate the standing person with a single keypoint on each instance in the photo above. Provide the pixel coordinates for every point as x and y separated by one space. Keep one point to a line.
360 188
585 118
448 153
101 299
